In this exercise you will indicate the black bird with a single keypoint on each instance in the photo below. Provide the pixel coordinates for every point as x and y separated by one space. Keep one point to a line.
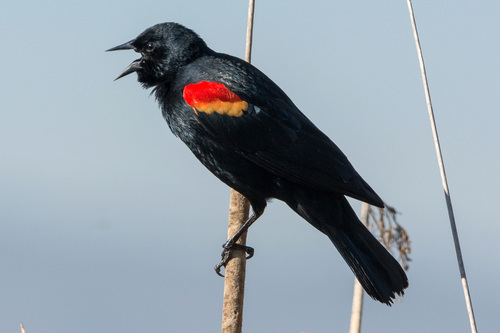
249 134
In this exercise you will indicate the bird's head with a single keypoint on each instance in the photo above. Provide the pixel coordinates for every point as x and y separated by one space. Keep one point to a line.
164 49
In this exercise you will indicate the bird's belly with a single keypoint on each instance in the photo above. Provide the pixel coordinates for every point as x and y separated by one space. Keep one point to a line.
235 170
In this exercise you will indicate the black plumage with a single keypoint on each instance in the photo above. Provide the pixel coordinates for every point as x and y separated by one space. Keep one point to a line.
268 149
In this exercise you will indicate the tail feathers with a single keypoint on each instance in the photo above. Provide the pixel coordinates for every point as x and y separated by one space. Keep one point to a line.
378 272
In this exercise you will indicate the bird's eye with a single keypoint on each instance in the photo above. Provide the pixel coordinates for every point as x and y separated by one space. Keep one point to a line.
150 47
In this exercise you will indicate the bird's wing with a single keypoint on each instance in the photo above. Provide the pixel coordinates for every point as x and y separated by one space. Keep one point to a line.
274 134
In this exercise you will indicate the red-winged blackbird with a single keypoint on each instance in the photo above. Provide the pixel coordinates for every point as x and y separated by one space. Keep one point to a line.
249 134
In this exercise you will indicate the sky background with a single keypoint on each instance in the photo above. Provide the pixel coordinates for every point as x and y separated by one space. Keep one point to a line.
108 223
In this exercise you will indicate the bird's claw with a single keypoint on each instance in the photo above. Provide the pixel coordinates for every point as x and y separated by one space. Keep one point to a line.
226 255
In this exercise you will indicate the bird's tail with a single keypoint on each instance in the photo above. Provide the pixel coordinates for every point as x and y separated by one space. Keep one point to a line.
378 272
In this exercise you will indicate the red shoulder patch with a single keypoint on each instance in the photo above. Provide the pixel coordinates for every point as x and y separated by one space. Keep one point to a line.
210 97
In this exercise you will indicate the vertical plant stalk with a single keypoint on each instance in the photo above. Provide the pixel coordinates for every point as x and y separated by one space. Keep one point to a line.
451 215
357 298
248 46
239 206
234 281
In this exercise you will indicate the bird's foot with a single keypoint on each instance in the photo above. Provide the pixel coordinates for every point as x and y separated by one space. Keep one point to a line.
226 255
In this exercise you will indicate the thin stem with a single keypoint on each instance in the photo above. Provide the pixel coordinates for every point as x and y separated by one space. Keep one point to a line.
443 174
239 206
357 298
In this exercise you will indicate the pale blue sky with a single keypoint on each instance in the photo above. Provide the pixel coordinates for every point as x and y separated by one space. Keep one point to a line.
109 223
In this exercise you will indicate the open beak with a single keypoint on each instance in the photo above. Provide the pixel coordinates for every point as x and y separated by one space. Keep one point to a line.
134 66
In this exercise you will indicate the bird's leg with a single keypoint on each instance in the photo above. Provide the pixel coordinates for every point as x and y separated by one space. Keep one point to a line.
231 243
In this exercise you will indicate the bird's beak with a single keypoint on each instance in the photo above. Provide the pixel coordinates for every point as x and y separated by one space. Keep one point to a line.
124 46
134 66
